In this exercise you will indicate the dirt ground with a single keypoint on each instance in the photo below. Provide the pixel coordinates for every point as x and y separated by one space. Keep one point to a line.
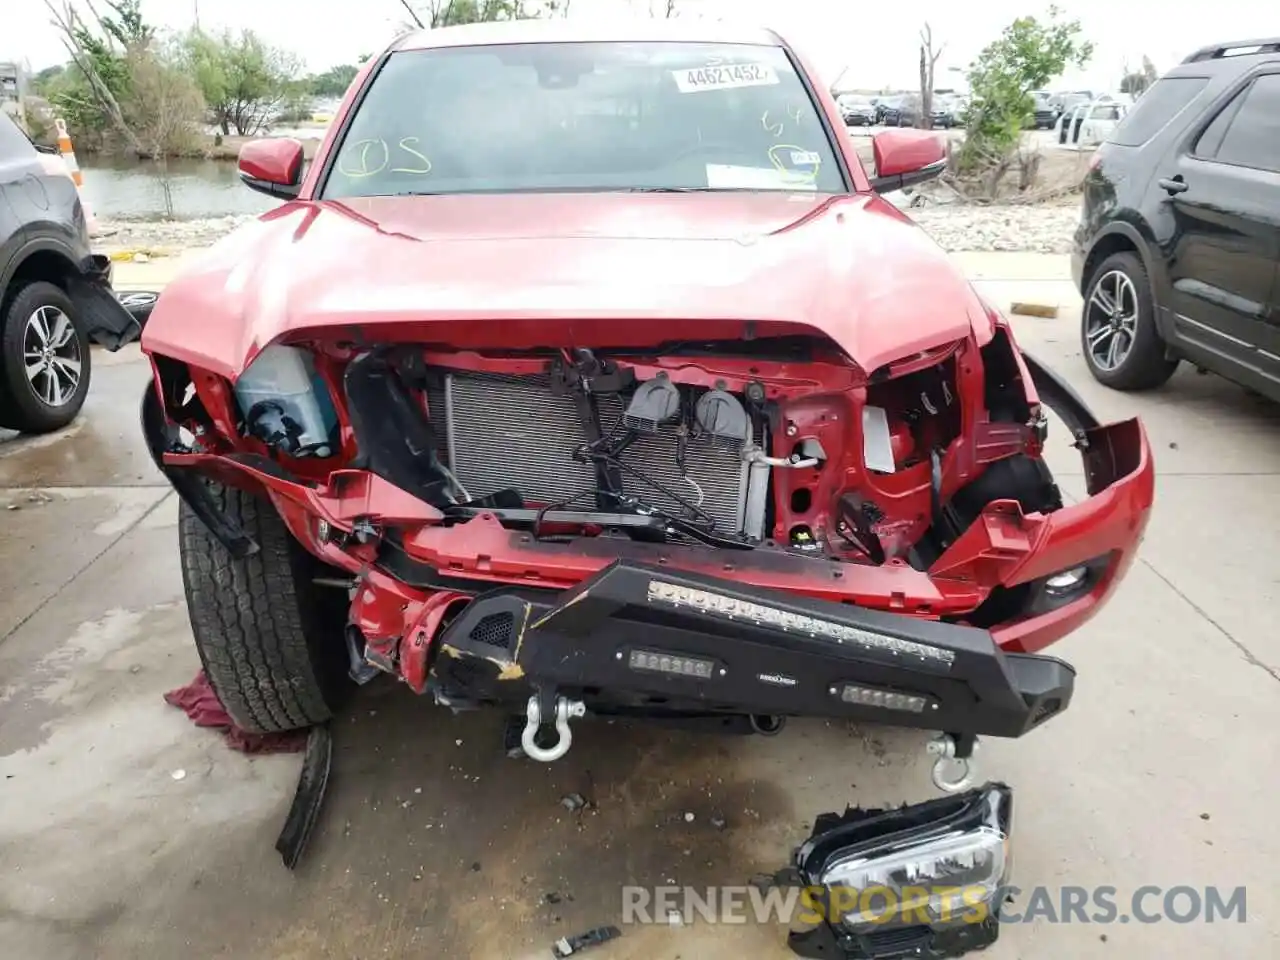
434 844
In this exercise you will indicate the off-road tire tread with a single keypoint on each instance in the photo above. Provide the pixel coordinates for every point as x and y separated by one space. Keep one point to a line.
1147 366
256 620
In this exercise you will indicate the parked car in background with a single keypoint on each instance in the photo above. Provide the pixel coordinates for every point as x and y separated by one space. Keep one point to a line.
1044 114
942 113
904 112
885 104
1089 124
1178 246
1065 102
857 111
55 295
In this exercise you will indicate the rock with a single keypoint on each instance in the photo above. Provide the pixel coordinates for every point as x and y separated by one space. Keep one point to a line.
1035 228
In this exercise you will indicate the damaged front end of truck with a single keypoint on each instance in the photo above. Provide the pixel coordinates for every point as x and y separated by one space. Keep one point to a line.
742 527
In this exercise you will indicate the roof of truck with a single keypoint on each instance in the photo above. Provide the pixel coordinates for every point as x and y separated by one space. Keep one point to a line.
613 30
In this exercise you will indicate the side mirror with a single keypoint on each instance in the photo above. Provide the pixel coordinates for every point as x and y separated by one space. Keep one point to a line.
272 166
905 158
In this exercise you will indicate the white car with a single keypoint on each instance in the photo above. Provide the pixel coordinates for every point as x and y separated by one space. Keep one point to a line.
1089 124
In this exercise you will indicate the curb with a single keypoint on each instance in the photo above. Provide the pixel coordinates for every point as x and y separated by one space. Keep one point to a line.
137 254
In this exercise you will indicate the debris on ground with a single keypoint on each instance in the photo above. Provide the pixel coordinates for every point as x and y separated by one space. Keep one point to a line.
1043 310
199 701
308 797
718 821
568 946
573 802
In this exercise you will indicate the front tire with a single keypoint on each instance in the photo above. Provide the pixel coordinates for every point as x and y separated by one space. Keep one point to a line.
1118 334
270 639
44 360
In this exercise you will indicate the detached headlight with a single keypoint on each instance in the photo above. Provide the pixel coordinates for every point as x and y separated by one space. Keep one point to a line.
937 879
924 878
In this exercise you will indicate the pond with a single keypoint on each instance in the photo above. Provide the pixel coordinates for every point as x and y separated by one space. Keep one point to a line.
120 188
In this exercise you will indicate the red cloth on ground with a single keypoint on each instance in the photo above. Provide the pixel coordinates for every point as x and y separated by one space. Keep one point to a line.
204 708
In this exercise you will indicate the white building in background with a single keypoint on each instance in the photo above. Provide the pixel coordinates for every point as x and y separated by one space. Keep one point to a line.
13 88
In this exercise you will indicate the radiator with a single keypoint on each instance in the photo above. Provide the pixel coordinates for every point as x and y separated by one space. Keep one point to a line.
507 432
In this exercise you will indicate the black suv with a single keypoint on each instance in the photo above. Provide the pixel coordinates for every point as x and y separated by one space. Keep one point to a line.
1178 248
55 296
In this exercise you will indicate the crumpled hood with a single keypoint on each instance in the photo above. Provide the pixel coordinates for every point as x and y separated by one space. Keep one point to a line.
852 268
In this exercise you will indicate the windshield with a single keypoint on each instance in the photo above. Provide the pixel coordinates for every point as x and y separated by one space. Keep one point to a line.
585 116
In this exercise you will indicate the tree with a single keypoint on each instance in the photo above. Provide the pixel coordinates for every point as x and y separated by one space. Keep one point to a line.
244 81
101 79
41 81
1027 55
333 82
928 64
164 104
1137 82
452 13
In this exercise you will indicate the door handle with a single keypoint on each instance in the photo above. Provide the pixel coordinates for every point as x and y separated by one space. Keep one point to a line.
1173 185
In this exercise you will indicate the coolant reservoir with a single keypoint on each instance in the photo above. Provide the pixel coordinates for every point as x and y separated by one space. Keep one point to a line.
285 403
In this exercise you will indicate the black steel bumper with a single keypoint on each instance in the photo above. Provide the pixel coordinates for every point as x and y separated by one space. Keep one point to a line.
106 322
642 639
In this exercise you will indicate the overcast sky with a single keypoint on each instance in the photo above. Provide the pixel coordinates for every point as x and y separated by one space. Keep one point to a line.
876 42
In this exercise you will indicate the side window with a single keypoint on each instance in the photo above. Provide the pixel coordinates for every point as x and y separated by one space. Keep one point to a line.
1252 138
1165 100
14 144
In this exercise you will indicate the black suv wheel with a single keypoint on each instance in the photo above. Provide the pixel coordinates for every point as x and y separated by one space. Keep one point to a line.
1118 335
44 360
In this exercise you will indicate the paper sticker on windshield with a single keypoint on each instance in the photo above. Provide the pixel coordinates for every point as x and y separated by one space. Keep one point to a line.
805 158
729 177
724 77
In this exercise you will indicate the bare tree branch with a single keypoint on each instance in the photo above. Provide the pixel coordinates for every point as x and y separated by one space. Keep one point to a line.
67 21
928 64
412 12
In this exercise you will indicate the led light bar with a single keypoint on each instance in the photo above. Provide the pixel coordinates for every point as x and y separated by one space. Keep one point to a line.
732 608
652 661
885 699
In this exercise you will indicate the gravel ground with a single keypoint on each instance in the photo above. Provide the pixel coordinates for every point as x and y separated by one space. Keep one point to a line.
165 236
1042 228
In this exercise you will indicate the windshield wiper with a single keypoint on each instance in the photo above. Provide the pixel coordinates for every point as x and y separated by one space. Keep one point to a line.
669 190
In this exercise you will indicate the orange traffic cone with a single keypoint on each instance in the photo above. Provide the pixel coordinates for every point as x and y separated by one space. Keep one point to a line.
69 158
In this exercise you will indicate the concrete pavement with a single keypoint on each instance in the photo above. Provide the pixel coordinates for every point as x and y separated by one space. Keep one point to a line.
433 844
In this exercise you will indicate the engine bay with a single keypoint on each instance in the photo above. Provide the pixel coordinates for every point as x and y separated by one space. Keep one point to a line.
803 455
